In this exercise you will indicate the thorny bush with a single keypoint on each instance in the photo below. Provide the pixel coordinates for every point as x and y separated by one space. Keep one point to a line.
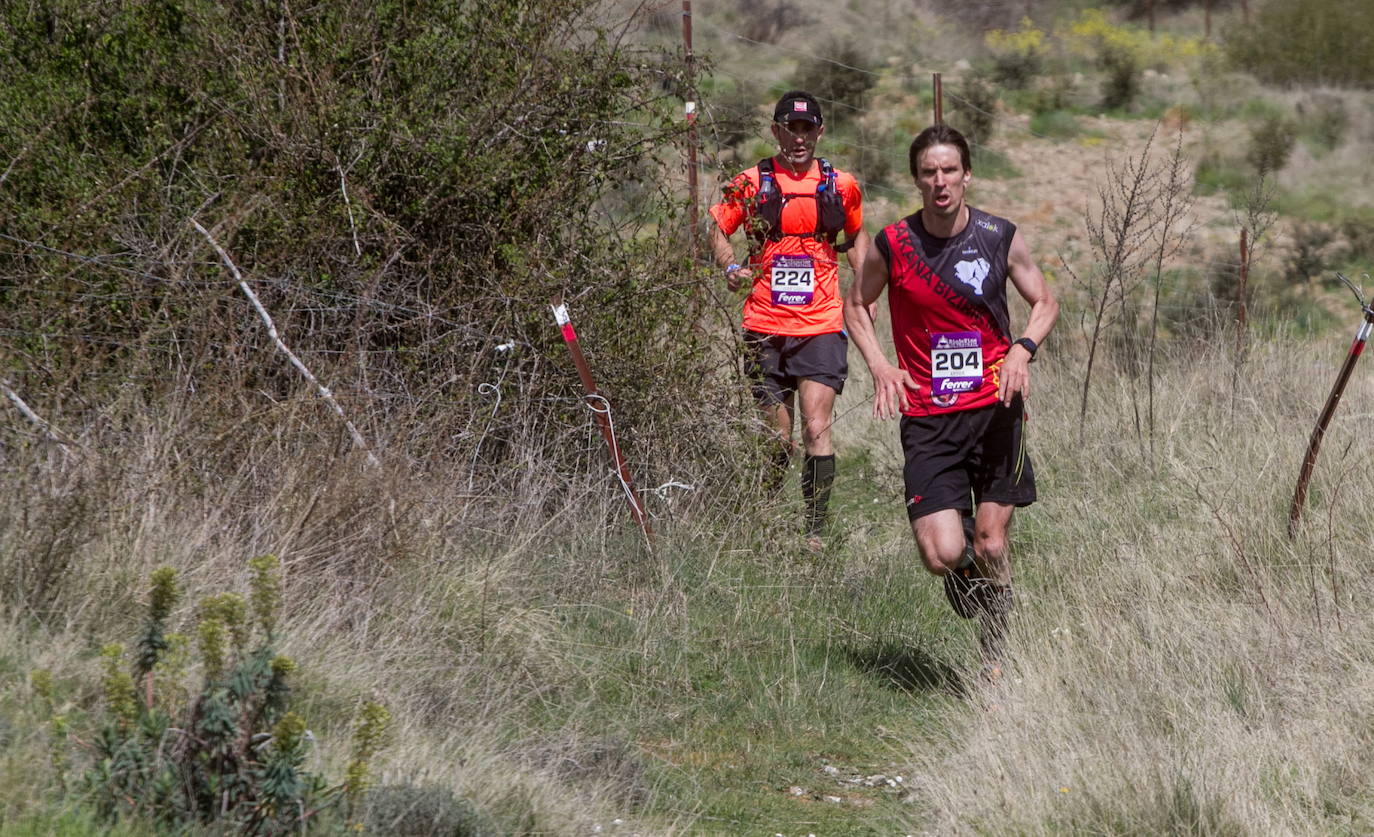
406 190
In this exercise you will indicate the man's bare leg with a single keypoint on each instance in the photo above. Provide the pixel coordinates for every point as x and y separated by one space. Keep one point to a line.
992 551
940 538
983 590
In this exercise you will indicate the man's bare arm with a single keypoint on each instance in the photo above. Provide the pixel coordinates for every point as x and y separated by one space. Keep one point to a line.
724 254
889 382
1025 275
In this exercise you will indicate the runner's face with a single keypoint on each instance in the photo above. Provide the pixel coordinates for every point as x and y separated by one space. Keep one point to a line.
797 141
942 179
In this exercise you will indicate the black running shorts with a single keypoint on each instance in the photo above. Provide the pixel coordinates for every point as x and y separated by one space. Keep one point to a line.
952 454
775 363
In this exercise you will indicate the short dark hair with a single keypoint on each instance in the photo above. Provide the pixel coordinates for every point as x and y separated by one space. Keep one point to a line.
939 135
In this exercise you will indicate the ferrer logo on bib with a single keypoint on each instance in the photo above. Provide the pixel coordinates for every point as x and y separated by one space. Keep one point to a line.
956 364
792 280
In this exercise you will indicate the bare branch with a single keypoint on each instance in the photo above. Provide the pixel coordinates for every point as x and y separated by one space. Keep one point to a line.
272 330
34 419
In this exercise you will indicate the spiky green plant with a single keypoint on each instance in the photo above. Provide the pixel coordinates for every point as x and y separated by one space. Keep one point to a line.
210 633
266 587
230 757
369 735
42 682
118 686
231 610
162 597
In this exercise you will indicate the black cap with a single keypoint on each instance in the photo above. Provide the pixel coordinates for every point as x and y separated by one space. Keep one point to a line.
797 104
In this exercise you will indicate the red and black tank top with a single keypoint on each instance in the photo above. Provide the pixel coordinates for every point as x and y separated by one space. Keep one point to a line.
948 300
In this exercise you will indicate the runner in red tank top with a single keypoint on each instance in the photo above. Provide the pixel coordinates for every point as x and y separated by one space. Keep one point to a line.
961 381
795 209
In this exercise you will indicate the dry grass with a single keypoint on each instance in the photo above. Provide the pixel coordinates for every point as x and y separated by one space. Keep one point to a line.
1181 666
397 588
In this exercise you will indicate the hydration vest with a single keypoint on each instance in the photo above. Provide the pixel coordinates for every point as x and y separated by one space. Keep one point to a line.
770 202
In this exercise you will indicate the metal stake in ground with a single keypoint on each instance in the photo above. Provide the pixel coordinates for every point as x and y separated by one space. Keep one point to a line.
1342 378
601 408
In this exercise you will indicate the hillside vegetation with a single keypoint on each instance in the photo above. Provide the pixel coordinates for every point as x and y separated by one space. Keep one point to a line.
418 605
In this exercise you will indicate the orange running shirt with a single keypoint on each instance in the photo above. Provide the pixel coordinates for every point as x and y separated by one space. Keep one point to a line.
796 289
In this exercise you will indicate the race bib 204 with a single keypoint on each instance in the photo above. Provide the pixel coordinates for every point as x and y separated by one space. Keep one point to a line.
956 362
792 280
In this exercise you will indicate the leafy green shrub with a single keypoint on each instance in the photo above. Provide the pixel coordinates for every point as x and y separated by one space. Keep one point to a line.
1018 57
973 110
231 757
1091 34
425 812
1050 94
1122 53
1271 141
406 192
1122 77
1358 232
1056 123
839 75
1312 254
1323 121
1318 41
766 22
1220 89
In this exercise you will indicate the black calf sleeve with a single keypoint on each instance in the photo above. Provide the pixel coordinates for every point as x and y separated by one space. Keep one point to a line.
817 477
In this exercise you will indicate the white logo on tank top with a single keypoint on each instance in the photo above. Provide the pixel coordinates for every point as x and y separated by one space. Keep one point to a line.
972 273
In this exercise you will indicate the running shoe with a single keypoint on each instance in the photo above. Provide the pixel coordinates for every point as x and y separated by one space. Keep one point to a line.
962 587
963 583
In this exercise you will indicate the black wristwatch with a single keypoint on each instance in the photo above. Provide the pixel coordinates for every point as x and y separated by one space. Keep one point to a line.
1027 344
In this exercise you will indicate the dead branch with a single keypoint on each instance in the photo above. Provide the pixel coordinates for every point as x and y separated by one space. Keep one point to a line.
272 331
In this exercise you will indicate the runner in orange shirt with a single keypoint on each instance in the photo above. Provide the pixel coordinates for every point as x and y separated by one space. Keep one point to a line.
798 213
